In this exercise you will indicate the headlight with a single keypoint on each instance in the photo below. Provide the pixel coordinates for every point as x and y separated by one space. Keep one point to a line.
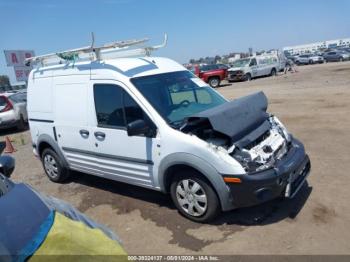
281 127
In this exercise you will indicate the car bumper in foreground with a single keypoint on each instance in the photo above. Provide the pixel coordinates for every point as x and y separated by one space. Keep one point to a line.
8 124
285 179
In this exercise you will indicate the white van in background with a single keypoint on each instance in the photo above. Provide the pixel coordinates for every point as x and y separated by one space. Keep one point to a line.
248 68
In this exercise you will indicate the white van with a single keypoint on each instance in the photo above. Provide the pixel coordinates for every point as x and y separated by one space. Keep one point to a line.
149 122
251 67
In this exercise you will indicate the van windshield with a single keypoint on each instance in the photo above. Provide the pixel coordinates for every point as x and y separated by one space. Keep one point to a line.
241 62
177 95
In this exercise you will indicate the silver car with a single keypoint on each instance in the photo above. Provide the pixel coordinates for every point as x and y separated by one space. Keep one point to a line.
13 110
308 59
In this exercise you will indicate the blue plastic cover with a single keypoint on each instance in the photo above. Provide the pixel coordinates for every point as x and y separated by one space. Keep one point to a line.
22 213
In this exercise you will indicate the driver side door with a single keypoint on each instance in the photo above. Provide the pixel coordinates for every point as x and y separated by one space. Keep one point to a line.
120 157
254 67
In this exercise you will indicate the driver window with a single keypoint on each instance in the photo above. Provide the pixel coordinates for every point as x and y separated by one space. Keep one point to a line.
253 62
132 110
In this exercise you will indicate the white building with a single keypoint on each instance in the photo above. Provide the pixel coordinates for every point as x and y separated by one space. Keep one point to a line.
310 48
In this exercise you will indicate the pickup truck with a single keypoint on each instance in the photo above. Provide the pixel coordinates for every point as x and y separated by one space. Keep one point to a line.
211 74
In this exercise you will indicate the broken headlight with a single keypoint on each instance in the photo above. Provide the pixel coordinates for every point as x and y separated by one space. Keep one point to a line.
275 122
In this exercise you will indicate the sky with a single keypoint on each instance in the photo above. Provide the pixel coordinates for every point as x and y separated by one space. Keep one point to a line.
195 28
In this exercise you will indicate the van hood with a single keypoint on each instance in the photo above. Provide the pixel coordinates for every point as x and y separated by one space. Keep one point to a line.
242 68
233 120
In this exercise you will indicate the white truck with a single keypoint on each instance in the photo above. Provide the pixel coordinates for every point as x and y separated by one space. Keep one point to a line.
149 122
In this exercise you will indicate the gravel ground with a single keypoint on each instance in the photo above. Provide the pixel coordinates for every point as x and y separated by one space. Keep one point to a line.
314 105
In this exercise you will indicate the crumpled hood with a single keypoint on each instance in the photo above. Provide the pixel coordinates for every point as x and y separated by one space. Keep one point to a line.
234 119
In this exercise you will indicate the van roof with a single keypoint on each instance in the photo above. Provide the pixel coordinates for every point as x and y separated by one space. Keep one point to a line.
128 67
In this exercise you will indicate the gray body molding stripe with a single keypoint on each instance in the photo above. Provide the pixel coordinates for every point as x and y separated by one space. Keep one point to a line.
128 159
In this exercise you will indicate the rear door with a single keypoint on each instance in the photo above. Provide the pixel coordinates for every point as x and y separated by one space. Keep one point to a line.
71 129
118 156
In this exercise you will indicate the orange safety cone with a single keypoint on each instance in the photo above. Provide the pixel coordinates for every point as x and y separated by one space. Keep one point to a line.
9 147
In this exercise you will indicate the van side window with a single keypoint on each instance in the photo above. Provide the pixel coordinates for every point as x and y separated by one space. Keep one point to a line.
109 105
132 110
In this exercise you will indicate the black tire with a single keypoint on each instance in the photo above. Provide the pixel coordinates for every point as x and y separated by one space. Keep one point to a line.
62 171
214 82
21 124
273 72
213 208
311 62
247 77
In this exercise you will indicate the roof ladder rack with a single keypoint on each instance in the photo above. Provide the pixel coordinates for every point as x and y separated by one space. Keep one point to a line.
112 50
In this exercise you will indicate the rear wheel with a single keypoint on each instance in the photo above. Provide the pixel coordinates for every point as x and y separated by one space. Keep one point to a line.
194 197
214 82
53 166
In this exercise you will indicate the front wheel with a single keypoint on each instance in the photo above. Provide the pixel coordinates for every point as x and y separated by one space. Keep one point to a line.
248 77
214 82
273 72
194 197
53 166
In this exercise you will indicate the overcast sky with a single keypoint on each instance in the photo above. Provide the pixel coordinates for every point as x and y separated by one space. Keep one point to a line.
195 28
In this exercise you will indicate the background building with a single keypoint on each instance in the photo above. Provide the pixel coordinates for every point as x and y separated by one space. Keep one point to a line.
318 46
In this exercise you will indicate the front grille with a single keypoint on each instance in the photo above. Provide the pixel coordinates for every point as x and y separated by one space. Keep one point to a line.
234 73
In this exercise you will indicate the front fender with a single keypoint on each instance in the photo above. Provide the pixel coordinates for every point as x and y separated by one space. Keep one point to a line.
201 166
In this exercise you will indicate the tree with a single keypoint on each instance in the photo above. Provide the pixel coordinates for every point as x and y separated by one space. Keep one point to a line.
4 81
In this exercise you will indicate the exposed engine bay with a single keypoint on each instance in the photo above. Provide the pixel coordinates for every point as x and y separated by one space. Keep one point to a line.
253 137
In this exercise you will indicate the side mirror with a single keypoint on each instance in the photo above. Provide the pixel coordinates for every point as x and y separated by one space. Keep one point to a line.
7 165
137 127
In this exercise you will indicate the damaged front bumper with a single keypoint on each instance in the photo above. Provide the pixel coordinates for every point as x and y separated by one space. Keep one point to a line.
284 179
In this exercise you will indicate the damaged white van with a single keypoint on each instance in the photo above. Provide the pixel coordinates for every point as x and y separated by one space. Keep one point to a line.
149 122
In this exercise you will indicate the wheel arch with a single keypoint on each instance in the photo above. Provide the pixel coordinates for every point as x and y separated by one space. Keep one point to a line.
45 141
177 161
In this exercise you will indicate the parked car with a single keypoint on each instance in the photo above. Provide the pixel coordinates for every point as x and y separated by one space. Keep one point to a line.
336 56
248 68
13 110
308 59
154 124
211 74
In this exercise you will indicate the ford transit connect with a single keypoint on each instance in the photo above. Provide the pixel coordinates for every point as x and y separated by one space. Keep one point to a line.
150 122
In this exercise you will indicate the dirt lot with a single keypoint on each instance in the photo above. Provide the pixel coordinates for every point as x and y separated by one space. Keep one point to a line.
314 105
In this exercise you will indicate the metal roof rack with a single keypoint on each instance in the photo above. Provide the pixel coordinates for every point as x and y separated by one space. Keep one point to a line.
112 50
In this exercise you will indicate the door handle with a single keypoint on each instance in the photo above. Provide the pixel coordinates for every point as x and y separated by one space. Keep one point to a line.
100 135
84 133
